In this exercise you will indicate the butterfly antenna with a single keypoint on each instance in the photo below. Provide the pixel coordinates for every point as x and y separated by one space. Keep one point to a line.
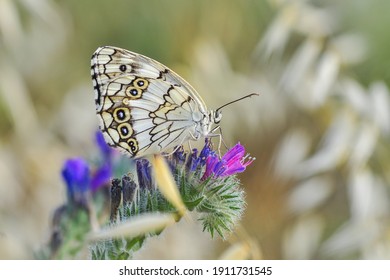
234 101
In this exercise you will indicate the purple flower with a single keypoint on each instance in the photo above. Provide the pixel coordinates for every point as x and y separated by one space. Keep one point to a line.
101 177
80 178
106 150
104 171
179 156
200 160
192 160
205 152
76 174
144 174
231 163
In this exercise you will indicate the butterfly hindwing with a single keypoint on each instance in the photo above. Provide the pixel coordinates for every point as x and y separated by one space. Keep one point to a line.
145 119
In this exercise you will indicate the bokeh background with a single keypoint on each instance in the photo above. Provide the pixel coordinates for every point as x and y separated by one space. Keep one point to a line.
319 188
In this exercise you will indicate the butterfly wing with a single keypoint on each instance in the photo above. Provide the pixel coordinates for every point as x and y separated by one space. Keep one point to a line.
110 62
144 108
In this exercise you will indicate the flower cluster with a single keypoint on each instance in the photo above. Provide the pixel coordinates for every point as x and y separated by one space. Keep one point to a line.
81 179
233 162
206 183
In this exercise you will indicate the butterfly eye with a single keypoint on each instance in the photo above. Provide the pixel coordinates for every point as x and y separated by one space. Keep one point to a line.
217 117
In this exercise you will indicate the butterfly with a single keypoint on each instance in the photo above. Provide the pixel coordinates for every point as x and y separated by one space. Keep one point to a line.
144 107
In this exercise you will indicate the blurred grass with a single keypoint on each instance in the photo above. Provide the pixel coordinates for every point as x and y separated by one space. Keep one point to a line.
47 111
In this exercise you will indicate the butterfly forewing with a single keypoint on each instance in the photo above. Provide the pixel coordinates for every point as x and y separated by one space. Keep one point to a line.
144 107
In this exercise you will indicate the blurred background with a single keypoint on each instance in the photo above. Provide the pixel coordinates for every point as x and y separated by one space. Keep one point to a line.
319 188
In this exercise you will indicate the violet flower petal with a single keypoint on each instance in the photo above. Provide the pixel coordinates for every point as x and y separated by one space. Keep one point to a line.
105 149
101 177
231 163
235 153
211 162
76 174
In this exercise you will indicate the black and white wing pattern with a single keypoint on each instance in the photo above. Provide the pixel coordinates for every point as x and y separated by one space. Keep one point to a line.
143 107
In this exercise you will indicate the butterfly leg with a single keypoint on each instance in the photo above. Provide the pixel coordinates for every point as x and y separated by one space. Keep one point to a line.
189 145
219 142
174 150
220 138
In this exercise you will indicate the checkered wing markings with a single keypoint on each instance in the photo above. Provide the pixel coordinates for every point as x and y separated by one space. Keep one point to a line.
143 106
165 123
110 62
159 119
